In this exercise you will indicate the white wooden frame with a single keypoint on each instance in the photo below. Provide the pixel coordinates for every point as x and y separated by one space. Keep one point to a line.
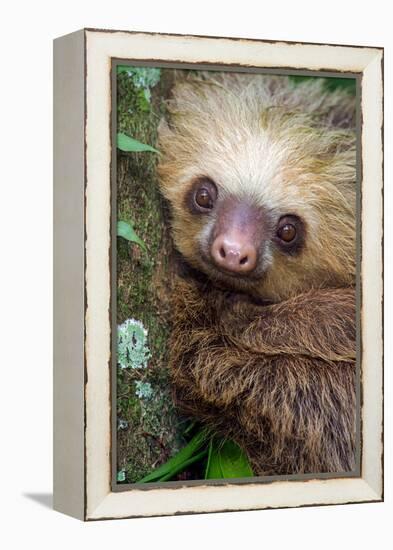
82 441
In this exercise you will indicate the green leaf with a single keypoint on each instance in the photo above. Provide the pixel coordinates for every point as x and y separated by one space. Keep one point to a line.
186 456
125 230
213 467
234 461
130 145
181 467
227 460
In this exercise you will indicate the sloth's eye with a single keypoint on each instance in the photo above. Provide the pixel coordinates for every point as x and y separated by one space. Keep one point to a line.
204 195
203 198
287 232
290 234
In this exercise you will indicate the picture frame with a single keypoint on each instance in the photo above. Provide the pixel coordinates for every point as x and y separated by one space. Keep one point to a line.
84 256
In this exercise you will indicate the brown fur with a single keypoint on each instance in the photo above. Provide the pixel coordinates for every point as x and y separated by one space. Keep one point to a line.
278 379
271 366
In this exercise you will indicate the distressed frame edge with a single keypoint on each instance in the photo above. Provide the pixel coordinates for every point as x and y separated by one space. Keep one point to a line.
69 489
362 493
98 512
372 267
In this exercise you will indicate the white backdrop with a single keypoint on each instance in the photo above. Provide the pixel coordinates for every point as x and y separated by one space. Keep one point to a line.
26 303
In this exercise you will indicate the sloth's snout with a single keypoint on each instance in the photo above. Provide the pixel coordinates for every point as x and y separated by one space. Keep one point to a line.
234 252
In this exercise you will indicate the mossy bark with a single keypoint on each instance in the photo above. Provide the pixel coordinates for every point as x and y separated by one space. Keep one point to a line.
149 430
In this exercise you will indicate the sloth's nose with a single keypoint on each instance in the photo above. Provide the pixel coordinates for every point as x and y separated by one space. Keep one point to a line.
234 252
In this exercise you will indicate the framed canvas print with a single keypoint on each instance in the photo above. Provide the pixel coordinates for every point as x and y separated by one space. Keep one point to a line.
218 274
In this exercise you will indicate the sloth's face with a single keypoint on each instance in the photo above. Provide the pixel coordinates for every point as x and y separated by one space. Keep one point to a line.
236 241
239 239
269 246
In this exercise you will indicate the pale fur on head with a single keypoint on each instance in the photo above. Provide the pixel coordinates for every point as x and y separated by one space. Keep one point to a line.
291 149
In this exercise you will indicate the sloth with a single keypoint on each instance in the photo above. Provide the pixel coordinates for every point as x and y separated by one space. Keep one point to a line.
260 178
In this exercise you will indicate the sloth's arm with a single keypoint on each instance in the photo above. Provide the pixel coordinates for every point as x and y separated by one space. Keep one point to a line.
318 324
220 347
